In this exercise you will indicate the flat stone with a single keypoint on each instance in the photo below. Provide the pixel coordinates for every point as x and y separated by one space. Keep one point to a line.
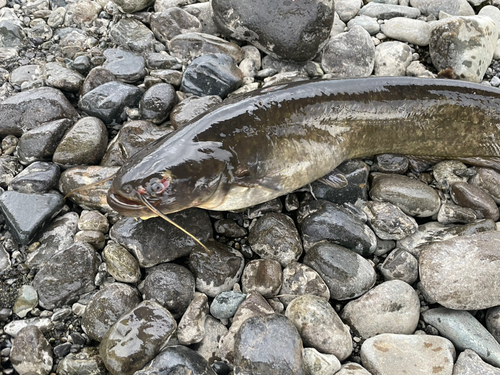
386 11
157 102
122 265
124 65
407 30
191 329
133 34
38 177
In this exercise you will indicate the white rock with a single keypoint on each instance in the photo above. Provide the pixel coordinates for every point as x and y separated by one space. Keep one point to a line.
407 30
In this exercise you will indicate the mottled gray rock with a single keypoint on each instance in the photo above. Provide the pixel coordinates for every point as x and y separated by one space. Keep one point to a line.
30 109
388 221
392 354
465 44
62 78
161 60
87 361
208 347
347 9
469 363
390 307
350 54
299 279
489 11
319 326
493 321
96 77
26 301
370 24
465 332
9 168
26 75
428 7
136 338
39 177
125 66
316 363
192 107
229 228
204 13
400 265
488 180
275 236
352 368
191 327
122 265
347 274
471 196
450 213
13 328
174 21
157 102
392 59
268 345
127 6
407 30
225 304
133 34
31 353
386 11
462 273
106 306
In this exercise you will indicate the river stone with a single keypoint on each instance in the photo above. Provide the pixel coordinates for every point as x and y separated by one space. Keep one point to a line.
31 354
488 180
328 221
268 344
192 107
166 242
352 368
173 21
136 338
127 6
428 7
493 321
108 101
414 197
69 274
464 44
106 306
96 77
225 304
347 274
465 331
39 177
132 33
274 236
62 78
450 213
86 361
299 279
407 30
316 363
262 25
188 47
26 75
191 327
263 276
319 326
387 11
122 265
26 301
392 354
13 328
463 273
471 196
390 307
355 47
177 359
172 286
392 59
161 60
31 108
368 23
9 168
217 268
157 102
400 265
125 66
388 221
84 143
469 363
26 214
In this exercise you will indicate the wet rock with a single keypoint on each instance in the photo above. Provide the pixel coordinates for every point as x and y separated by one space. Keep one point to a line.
26 214
213 74
133 34
407 30
217 269
136 338
122 265
26 301
96 77
31 108
162 60
448 172
108 101
26 76
208 347
275 236
84 143
388 221
469 363
172 286
488 180
79 177
462 273
93 220
31 353
338 225
132 6
11 34
400 265
390 307
188 47
87 361
347 274
319 326
38 177
268 345
191 327
428 7
229 228
259 210
62 78
391 163
69 274
261 26
9 168
392 354
125 66
414 197
392 59
263 276
172 22
465 332
166 242
299 279
157 103
106 306
451 213
177 359
464 44
192 107
13 328
354 46
470 196
172 77
225 304
387 11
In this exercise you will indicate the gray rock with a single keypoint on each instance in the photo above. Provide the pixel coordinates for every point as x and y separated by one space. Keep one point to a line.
157 103
386 11
262 26
136 338
39 177
319 326
203 11
392 354
122 265
488 180
229 228
388 221
62 78
13 328
162 60
132 33
491 12
450 213
127 6
493 321
347 9
225 304
9 168
31 353
274 236
11 34
162 5
27 74
172 22
465 44
268 345
407 30
428 7
316 363
93 220
350 54
26 301
370 24
400 265
390 307
129 233
84 143
392 59
87 361
471 196
170 76
454 273
347 274
299 279
125 66
469 363
5 262
106 306
465 332
191 327
263 276
352 368
208 348
30 109
96 77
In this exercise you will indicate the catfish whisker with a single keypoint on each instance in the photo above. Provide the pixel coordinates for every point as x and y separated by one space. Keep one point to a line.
88 186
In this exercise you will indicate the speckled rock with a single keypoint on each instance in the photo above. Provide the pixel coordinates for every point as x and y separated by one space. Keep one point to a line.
62 78
157 102
352 368
299 279
132 6
31 353
133 34
400 265
173 21
388 221
316 363
38 177
192 107
87 361
263 276
488 180
225 304
124 65
191 327
433 7
121 264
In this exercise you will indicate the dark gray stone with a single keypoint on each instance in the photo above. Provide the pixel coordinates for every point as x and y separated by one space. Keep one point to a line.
471 196
229 228
125 66
157 103
38 177
225 304
31 352
96 77
299 279
263 276
85 362
132 33
192 107
162 61
172 22
488 180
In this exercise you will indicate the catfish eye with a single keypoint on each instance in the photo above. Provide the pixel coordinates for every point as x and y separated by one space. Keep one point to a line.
157 188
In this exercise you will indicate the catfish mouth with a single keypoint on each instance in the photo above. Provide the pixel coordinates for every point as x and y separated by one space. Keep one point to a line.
128 207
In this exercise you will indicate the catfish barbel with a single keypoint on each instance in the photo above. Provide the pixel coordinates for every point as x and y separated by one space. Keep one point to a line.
274 140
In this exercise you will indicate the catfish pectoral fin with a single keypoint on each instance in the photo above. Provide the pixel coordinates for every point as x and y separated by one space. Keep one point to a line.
335 179
269 183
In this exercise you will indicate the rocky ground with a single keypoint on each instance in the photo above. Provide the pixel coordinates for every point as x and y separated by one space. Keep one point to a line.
397 272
